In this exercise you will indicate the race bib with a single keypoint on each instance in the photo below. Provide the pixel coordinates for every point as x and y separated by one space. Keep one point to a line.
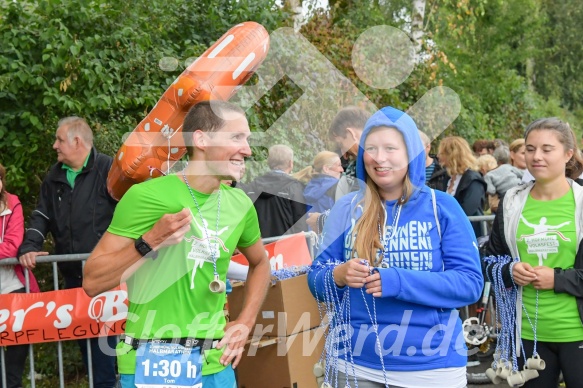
168 365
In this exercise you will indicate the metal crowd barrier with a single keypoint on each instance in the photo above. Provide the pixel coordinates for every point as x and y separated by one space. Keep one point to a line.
311 240
54 259
484 221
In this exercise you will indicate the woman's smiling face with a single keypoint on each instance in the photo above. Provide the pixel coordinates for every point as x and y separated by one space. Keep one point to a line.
385 161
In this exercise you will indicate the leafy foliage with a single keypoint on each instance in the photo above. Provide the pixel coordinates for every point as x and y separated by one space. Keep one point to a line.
98 60
502 58
493 61
558 69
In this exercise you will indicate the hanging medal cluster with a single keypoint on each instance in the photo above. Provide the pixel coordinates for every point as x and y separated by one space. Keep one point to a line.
335 312
505 364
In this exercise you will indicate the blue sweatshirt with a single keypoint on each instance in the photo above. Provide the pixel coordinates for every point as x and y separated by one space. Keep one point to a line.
315 193
427 276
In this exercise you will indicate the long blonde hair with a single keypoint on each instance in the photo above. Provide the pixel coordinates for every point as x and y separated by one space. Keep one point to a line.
324 158
458 154
369 242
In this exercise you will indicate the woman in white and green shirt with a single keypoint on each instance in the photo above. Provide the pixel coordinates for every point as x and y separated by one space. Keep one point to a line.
541 224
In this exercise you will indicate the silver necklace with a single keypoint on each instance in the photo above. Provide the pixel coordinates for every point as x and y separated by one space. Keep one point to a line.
394 226
216 285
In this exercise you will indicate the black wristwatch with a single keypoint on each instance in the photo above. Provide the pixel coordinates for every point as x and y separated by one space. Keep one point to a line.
145 249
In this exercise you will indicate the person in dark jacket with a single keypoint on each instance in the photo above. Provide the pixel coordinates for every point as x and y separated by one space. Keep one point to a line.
466 184
75 207
439 177
436 176
540 223
321 179
278 197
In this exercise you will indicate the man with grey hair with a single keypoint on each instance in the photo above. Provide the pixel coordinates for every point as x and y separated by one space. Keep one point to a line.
277 196
502 155
502 178
281 157
75 207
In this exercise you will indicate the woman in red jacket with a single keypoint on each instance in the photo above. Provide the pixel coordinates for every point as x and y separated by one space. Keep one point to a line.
12 278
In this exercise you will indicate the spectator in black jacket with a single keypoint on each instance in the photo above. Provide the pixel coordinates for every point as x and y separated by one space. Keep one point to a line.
277 196
466 184
75 207
436 176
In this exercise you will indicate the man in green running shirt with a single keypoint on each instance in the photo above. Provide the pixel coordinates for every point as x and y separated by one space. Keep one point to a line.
171 240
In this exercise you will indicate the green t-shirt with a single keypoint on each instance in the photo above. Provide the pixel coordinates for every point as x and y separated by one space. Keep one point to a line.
547 236
72 174
169 296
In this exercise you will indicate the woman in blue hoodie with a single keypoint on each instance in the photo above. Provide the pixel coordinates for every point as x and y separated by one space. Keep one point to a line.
397 260
321 179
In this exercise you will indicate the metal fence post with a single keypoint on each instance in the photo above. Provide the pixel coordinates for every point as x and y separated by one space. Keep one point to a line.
3 371
59 343
32 372
89 352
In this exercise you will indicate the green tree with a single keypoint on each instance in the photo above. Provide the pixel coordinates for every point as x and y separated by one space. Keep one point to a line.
490 45
558 69
98 60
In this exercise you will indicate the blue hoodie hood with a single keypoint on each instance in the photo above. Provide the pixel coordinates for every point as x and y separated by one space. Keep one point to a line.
401 121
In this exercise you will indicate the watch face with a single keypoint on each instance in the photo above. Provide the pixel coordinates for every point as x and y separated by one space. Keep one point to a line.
142 247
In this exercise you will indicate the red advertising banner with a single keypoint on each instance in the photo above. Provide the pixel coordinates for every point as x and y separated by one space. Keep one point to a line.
61 315
71 314
287 252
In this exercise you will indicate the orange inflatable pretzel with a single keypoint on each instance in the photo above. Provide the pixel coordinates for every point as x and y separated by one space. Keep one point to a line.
215 75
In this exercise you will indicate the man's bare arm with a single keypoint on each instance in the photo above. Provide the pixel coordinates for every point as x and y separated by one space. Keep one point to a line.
115 258
257 282
236 332
109 261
